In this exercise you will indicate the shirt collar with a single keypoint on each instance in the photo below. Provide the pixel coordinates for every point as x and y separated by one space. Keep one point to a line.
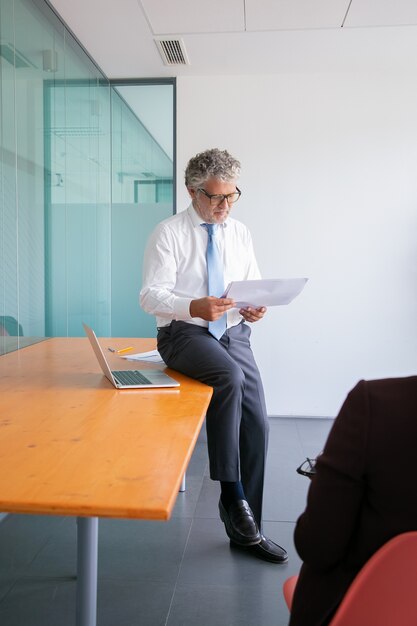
196 220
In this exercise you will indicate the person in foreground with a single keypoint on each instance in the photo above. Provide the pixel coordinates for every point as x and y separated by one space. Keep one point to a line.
362 495
189 260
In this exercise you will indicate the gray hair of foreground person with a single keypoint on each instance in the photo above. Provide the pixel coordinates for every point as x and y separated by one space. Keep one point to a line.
212 163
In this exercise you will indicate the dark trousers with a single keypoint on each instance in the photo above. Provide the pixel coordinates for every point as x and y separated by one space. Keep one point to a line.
236 421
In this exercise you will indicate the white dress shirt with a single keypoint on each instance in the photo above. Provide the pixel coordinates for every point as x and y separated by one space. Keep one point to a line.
175 269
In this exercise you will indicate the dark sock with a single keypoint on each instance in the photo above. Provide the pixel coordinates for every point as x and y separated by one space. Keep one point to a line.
231 492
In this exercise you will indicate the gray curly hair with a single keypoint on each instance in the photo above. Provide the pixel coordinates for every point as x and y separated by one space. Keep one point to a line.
212 163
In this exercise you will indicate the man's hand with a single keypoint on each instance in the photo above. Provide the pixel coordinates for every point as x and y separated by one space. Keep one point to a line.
250 314
210 308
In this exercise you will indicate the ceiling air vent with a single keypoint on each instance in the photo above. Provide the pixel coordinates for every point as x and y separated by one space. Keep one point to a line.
172 51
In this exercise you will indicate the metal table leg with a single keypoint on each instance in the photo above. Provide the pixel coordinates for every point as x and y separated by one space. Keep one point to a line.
182 486
87 552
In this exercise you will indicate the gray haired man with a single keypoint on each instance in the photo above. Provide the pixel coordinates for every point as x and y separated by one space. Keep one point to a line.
189 259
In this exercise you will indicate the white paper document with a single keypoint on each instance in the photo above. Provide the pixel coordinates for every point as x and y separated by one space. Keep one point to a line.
265 292
152 356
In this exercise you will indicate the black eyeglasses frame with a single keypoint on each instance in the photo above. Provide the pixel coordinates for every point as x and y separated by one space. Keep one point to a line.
220 195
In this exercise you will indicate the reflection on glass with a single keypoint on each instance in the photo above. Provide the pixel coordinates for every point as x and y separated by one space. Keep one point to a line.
142 194
78 260
84 176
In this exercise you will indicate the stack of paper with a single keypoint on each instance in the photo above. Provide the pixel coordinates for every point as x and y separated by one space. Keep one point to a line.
265 292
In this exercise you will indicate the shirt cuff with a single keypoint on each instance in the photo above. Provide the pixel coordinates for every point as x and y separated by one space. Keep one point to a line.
182 308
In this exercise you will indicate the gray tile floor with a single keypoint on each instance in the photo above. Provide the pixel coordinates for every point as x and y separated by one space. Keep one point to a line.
176 573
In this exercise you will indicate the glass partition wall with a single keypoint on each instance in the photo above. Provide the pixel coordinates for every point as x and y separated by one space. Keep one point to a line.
142 192
84 176
77 204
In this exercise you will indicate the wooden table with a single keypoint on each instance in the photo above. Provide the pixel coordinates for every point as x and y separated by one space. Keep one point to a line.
72 444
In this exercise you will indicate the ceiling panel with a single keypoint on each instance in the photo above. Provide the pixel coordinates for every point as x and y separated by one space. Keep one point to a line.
304 51
382 13
194 16
294 14
123 44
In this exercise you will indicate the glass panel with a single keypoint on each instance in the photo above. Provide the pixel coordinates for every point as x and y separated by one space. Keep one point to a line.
78 211
65 255
22 233
41 41
142 193
9 311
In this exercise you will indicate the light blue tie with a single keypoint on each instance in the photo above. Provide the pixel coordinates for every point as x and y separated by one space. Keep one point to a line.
215 278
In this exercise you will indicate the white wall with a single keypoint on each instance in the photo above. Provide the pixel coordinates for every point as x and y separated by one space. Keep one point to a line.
329 187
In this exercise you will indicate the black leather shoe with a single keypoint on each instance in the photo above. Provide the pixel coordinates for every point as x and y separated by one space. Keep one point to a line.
240 523
266 550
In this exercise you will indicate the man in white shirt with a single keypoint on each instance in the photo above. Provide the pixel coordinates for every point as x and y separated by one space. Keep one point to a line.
189 259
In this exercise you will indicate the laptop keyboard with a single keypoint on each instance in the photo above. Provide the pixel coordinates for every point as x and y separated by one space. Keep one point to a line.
131 377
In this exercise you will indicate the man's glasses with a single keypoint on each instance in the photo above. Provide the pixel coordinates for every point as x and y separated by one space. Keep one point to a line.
218 198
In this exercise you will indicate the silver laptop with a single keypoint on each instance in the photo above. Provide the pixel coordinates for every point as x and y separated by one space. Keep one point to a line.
129 379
